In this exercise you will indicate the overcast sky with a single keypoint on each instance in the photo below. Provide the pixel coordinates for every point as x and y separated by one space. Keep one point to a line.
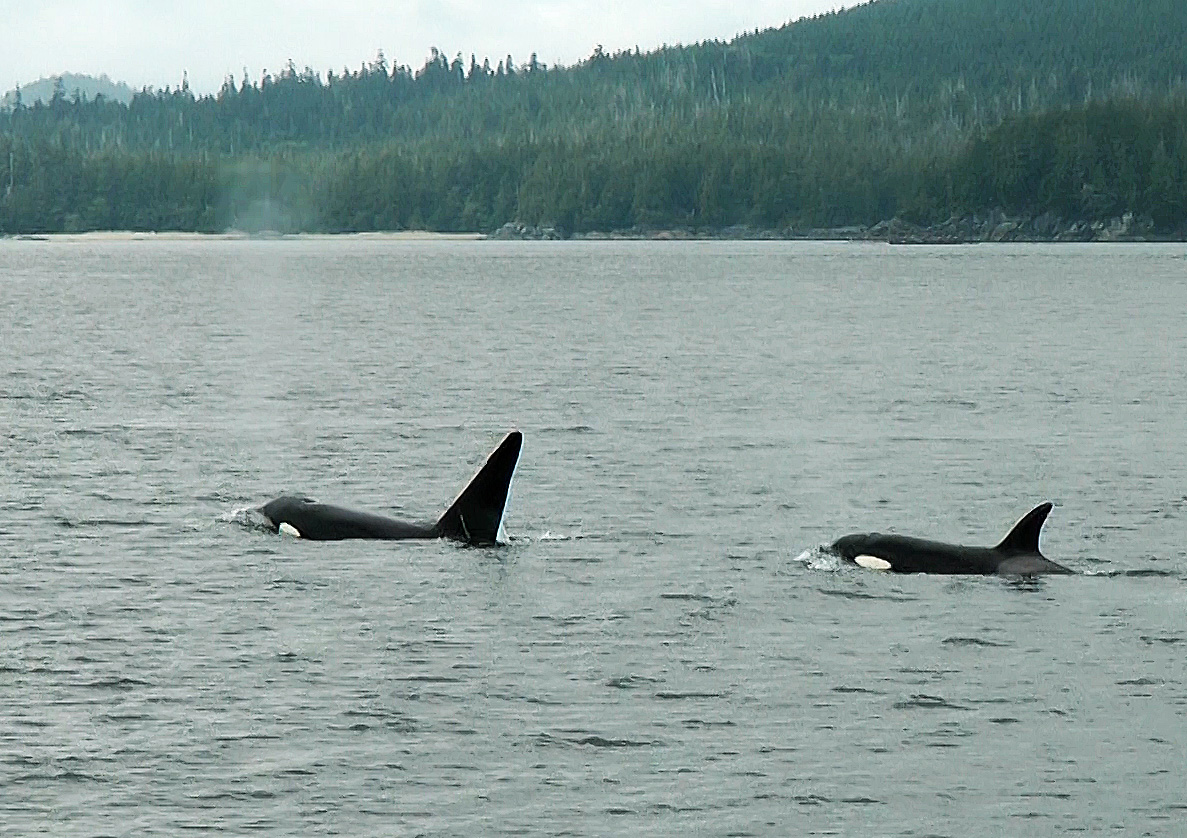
151 42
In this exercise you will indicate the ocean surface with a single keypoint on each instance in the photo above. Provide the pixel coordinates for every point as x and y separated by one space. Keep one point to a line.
663 648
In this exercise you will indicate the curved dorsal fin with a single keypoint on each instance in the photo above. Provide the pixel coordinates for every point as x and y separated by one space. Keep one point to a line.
1024 538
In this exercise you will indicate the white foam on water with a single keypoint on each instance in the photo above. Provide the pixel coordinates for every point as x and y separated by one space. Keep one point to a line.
820 557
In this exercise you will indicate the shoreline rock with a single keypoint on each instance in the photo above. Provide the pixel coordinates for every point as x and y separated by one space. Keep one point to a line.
994 226
998 227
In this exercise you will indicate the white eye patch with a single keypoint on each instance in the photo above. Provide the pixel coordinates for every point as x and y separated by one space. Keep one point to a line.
871 562
288 529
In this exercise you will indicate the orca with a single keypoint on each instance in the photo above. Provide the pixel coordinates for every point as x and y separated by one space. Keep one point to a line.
1017 554
475 517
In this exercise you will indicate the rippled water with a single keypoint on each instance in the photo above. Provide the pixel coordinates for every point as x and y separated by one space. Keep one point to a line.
661 649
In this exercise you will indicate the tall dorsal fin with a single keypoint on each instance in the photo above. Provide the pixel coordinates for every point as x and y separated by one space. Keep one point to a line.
1024 538
476 515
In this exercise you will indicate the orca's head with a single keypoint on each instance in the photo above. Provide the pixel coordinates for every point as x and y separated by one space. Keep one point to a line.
863 550
279 510
851 546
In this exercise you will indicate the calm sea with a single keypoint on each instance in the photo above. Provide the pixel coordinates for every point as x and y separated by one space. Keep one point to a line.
663 648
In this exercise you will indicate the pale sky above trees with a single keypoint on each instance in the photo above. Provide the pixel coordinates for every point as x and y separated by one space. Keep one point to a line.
151 43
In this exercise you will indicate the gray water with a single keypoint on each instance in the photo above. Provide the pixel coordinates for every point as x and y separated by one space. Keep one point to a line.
662 648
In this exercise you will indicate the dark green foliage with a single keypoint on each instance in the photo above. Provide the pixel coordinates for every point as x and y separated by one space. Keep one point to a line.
1101 160
53 188
917 108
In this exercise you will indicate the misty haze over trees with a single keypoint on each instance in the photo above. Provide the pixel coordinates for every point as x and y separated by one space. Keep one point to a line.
919 109
69 86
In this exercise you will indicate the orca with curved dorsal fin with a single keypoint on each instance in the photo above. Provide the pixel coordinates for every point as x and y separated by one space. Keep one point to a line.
475 517
1017 554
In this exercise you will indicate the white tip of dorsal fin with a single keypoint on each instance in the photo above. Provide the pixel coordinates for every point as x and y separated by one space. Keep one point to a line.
871 562
286 528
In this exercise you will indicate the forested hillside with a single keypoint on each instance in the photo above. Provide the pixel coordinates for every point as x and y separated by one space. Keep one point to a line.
67 85
914 108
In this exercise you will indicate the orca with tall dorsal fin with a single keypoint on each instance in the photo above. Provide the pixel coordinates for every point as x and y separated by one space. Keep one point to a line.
1017 554
475 517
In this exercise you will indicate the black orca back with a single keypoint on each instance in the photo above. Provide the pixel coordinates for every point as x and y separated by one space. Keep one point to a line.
1017 554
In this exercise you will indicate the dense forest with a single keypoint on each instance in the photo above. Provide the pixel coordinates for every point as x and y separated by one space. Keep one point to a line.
914 109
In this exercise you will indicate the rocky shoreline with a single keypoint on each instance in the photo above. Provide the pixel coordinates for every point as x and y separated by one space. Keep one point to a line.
989 227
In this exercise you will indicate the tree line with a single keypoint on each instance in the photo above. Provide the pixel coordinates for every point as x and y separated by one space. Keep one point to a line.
919 108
